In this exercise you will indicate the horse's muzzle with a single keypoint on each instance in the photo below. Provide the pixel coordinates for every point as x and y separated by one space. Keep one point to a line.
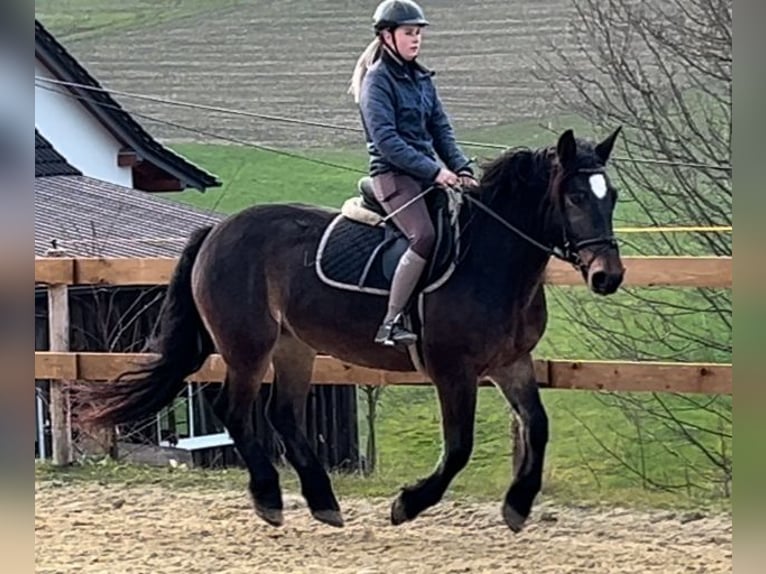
605 272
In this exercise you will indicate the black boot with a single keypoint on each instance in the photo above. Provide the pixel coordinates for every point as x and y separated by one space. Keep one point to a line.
392 333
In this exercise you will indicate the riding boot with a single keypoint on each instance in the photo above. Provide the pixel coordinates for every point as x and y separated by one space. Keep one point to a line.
406 277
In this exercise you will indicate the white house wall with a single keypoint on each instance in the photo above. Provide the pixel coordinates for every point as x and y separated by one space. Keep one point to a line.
76 134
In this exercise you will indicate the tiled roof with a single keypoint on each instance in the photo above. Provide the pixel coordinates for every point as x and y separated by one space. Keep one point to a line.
48 161
90 218
124 127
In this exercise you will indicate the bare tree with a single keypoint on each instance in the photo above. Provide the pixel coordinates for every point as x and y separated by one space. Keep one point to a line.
663 70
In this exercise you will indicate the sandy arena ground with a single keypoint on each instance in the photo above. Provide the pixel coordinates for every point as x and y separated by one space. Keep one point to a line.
89 528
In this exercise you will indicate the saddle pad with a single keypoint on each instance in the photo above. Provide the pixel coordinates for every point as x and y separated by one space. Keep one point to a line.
360 257
343 254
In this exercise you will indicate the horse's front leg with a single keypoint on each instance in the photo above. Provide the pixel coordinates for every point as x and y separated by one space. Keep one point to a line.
518 384
456 389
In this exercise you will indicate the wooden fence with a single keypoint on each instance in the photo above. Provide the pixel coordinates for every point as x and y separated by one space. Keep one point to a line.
60 364
641 271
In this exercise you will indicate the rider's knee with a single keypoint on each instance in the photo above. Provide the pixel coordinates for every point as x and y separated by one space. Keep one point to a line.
423 241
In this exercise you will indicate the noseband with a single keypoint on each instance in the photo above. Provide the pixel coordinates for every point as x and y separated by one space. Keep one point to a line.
570 250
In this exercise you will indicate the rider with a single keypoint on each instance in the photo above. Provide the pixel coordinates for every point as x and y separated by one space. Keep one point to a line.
405 128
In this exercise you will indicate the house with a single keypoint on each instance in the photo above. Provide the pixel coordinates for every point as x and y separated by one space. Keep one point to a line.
95 134
89 217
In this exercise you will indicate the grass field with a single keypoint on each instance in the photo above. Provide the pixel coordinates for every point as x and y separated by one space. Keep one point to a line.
81 19
577 469
237 54
295 59
251 174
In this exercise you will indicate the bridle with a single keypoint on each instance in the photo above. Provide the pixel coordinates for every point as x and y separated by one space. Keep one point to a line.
569 251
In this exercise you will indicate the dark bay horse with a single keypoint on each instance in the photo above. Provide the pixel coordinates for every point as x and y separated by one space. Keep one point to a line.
244 288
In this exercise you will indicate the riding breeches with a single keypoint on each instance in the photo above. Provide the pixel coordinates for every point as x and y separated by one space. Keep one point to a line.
395 190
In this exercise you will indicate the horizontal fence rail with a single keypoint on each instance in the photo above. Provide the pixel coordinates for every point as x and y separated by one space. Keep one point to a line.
711 378
640 271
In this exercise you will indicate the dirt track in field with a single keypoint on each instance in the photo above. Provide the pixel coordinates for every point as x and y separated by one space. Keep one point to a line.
89 528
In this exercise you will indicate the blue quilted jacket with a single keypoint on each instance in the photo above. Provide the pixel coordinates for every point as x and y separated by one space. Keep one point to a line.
406 128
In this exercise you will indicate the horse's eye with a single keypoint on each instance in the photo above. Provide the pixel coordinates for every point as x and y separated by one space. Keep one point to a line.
577 198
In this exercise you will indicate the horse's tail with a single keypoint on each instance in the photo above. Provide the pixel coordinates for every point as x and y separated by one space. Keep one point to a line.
182 343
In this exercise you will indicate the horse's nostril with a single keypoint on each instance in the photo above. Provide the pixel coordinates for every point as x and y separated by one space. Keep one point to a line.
599 281
605 283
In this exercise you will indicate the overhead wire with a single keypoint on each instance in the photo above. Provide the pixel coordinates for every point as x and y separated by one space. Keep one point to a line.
207 133
200 131
262 147
270 117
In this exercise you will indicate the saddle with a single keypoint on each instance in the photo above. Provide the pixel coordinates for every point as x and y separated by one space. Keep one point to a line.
359 250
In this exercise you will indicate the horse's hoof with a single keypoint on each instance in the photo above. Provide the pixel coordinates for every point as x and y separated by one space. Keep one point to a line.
513 519
398 512
331 517
272 516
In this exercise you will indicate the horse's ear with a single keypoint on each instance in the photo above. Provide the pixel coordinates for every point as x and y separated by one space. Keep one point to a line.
566 148
604 149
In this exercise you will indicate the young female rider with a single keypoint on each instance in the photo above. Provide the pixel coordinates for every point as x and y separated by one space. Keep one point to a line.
406 129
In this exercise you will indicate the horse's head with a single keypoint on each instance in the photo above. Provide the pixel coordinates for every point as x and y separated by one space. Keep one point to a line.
582 201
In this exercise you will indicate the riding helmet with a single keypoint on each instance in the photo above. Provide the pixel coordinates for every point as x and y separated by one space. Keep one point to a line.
393 13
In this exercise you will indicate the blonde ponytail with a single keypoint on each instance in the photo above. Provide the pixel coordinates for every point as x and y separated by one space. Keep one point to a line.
366 59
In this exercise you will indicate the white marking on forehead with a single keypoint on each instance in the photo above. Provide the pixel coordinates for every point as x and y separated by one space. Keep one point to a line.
598 185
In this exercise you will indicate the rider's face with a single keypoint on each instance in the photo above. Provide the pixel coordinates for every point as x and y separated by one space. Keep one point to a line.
406 40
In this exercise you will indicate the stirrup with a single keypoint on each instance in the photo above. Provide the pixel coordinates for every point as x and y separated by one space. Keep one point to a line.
393 333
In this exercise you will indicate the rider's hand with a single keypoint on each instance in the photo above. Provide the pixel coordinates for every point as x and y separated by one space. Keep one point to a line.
446 178
467 180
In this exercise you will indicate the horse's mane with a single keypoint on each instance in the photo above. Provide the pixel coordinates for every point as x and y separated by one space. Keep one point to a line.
520 174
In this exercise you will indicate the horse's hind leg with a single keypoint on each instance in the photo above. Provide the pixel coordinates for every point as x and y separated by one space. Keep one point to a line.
234 406
457 397
517 382
293 365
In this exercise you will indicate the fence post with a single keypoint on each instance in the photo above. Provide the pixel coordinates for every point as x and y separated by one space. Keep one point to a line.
58 340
